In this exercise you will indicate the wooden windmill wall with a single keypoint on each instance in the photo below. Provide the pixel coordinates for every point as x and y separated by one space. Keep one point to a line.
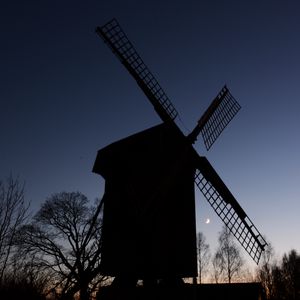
149 205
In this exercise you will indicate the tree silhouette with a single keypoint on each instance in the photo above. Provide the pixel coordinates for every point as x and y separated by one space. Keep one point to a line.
218 266
280 280
24 279
203 255
13 214
291 274
65 237
227 260
265 271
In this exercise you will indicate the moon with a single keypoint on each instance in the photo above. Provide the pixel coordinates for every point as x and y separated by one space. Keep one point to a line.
207 221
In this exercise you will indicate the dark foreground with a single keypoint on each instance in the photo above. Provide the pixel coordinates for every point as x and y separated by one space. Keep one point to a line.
234 291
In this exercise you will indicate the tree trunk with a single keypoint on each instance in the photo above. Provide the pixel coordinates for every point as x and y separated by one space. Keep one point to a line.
84 293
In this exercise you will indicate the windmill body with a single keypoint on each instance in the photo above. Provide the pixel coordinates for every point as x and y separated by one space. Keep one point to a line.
149 227
149 205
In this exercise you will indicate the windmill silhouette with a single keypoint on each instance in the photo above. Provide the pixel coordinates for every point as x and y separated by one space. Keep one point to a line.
149 228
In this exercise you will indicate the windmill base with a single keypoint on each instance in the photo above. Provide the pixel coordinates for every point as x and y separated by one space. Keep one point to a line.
234 291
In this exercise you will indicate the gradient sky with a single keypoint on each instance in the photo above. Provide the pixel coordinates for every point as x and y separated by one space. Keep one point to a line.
64 95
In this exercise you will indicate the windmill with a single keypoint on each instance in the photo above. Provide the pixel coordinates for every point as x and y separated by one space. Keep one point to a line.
149 226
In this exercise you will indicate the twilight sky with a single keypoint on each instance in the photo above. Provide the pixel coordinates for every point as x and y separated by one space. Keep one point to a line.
64 95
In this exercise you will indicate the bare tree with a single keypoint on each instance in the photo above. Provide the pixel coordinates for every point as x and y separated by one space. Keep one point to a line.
265 271
203 255
228 257
281 280
13 213
25 279
278 285
65 237
291 274
218 266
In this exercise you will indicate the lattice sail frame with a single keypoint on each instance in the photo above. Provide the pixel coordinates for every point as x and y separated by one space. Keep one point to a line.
229 211
225 107
117 40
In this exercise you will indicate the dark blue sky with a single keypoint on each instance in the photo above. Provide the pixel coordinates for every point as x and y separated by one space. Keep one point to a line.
64 95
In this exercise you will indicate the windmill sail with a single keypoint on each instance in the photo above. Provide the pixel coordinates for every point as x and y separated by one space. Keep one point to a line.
117 40
228 209
217 116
